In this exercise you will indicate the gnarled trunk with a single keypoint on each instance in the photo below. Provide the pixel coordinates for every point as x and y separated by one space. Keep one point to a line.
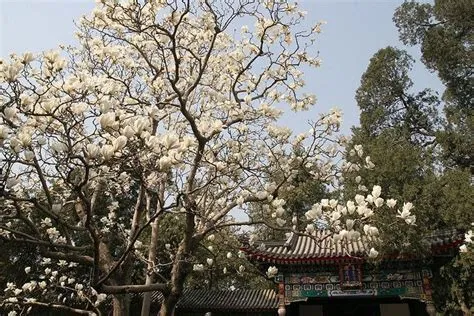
181 266
121 305
151 262
180 271
168 306
466 311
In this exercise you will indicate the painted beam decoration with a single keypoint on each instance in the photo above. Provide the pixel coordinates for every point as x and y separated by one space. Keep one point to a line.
398 283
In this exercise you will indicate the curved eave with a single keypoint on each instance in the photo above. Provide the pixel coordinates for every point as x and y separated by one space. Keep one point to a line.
304 260
308 259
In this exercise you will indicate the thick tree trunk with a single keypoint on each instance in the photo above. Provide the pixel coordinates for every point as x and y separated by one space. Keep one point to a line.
181 266
121 305
466 311
178 276
179 272
168 305
150 274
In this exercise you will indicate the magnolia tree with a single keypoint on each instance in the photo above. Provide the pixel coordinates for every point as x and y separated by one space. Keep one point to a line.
165 109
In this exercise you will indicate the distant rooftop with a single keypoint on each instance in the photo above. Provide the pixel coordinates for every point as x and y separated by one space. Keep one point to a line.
224 300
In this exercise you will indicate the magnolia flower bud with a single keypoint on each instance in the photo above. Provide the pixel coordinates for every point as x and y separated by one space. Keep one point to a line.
170 141
3 132
10 113
128 132
29 155
41 141
25 139
368 163
58 147
120 142
349 223
294 220
165 162
92 150
407 206
359 150
369 199
209 261
261 195
280 211
280 222
359 199
376 191
229 255
107 152
27 58
378 202
107 119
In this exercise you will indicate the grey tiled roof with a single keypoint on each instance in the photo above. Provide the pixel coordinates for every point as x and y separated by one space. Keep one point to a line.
238 300
322 248
224 300
301 248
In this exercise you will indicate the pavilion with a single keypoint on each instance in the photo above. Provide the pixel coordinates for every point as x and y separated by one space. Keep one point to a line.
319 277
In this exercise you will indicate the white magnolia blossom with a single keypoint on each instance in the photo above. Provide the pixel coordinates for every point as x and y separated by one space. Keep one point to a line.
468 237
160 114
468 241
198 267
406 215
373 253
272 271
391 203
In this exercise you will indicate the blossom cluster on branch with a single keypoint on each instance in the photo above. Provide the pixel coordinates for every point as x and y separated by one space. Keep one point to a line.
163 110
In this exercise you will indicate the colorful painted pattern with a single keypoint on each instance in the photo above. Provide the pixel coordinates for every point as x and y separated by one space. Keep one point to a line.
404 283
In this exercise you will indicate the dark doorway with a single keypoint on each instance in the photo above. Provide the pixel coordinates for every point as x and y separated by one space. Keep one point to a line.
351 308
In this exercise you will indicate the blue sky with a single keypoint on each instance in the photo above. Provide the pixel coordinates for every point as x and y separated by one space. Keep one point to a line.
355 30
